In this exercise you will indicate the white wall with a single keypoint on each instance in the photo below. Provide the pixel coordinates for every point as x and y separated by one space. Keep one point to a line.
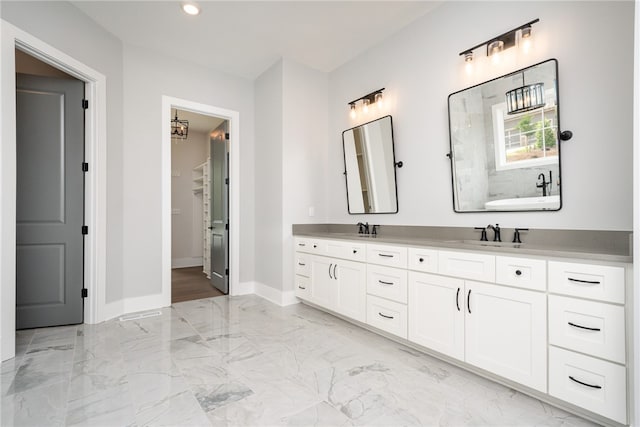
148 76
420 67
186 223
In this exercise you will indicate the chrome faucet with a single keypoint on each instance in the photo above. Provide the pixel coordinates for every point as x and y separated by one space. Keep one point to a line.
496 232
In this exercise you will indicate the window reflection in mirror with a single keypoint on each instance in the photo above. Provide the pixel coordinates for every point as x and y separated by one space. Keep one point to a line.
370 167
505 153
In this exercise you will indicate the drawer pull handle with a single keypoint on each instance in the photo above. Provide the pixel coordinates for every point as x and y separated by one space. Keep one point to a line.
421 260
458 299
384 283
588 282
301 244
518 273
301 264
386 255
385 316
584 384
301 287
583 327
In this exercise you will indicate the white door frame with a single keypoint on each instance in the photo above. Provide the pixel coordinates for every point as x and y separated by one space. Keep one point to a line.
169 103
11 38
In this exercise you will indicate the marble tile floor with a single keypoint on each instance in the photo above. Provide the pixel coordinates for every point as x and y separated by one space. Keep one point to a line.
245 361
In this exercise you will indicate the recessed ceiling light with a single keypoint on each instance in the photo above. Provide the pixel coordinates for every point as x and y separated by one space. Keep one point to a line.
190 8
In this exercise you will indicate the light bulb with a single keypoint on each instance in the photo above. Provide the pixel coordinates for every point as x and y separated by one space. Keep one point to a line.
525 39
494 48
365 105
468 59
379 99
353 110
190 8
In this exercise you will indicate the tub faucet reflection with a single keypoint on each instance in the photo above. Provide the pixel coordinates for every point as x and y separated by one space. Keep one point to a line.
543 183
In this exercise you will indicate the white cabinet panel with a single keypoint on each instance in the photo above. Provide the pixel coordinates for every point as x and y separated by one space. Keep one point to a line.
423 259
600 282
590 383
323 286
590 327
354 251
303 264
351 289
467 265
387 282
436 313
524 273
387 315
389 255
302 287
506 332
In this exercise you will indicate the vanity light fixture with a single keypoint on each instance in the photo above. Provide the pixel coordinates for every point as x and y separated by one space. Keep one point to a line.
190 8
502 42
179 128
373 98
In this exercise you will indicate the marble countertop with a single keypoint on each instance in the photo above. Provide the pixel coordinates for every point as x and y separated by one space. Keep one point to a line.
557 249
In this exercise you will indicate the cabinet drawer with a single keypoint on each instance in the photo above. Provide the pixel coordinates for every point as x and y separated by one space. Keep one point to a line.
387 282
590 383
387 315
522 272
598 282
392 256
467 265
302 287
303 264
422 259
594 328
354 251
309 245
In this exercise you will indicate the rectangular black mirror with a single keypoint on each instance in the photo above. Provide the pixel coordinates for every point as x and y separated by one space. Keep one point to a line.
370 171
505 151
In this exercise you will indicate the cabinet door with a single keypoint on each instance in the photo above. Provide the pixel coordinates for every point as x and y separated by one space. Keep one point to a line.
322 282
436 313
506 333
351 289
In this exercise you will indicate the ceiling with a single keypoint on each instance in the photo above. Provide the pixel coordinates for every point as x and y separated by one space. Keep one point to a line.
198 122
245 38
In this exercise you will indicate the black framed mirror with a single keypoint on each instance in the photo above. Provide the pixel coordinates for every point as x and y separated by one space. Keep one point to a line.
504 144
370 168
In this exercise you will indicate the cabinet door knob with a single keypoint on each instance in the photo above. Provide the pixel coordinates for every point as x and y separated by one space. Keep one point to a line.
315 246
355 251
518 273
421 260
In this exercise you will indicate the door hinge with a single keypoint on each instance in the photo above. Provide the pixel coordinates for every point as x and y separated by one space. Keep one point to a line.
226 271
226 181
84 292
85 229
226 226
85 167
85 104
226 136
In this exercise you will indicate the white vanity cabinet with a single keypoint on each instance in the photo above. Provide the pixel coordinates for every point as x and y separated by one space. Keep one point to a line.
556 327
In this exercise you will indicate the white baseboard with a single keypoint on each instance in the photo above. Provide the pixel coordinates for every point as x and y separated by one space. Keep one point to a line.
276 296
186 262
243 288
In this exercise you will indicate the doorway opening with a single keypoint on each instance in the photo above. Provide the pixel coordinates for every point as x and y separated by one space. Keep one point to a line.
199 206
50 188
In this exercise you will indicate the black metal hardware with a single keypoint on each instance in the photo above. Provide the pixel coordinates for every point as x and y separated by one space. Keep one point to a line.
385 316
226 135
330 265
85 292
585 384
385 283
363 228
85 229
496 232
468 301
421 259
212 227
302 244
355 251
335 276
226 181
508 38
518 273
516 235
301 264
590 282
449 155
566 135
583 327
315 246
85 104
374 229
386 255
458 299
399 164
85 167
226 271
370 96
226 226
483 236
301 287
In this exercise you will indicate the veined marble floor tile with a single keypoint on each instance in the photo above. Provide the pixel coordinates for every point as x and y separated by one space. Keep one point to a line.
244 361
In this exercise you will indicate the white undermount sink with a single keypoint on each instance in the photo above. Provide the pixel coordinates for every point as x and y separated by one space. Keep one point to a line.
524 203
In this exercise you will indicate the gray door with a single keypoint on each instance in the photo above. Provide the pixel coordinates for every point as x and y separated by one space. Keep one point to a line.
220 213
50 201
